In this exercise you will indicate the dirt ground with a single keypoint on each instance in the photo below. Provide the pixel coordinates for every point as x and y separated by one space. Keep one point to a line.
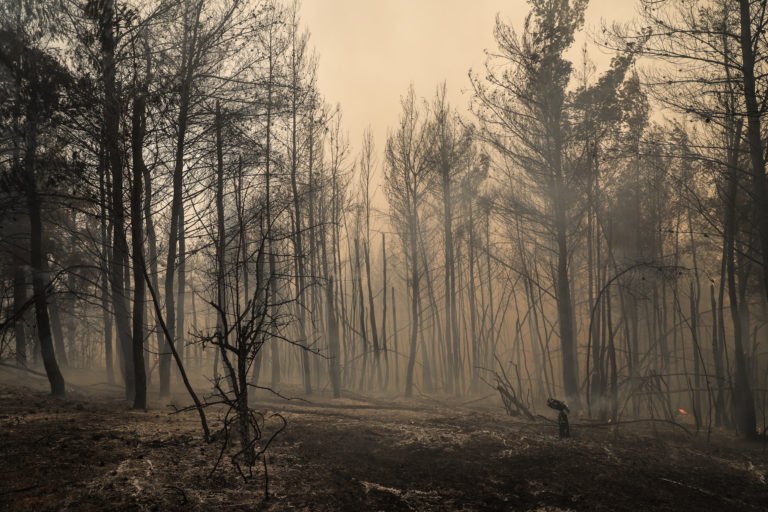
91 452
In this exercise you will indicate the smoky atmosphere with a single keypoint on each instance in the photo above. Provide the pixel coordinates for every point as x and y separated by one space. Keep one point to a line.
354 255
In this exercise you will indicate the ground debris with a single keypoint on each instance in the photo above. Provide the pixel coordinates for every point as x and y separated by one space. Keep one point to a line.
381 455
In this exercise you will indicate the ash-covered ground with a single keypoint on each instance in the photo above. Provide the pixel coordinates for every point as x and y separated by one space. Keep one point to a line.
91 452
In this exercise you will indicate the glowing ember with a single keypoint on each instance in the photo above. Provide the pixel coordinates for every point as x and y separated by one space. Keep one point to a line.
683 412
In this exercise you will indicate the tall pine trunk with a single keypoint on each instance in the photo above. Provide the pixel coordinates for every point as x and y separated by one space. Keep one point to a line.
743 399
114 155
137 241
19 301
36 261
106 230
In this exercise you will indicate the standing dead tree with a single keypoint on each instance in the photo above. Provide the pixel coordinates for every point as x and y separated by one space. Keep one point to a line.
407 177
524 115
239 343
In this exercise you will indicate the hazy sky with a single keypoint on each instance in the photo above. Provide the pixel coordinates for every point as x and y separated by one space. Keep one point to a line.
371 50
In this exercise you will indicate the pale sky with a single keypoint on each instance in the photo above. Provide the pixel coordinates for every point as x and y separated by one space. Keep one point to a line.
371 50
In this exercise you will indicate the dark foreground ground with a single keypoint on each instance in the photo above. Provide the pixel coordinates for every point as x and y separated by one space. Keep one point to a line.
90 452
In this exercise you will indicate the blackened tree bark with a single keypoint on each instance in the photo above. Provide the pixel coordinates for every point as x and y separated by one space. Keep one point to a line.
361 301
298 46
111 140
182 285
564 302
384 308
415 293
191 52
55 318
151 237
367 164
333 340
106 231
221 296
137 240
271 49
39 268
743 399
19 302
395 340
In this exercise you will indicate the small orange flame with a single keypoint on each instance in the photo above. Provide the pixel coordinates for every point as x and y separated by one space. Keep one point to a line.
683 412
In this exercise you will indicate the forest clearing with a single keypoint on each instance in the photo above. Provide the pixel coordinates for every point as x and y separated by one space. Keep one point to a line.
362 453
384 255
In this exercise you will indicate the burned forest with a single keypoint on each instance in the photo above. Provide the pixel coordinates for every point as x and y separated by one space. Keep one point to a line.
384 255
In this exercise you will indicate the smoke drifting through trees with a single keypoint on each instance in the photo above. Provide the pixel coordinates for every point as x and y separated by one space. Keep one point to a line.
601 236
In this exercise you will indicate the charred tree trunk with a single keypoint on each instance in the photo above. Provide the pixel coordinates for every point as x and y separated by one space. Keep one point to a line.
182 286
472 301
451 325
565 311
414 282
106 231
363 330
718 359
56 329
297 235
743 399
221 297
275 352
36 261
137 241
151 237
333 341
384 309
119 245
19 301
372 312
396 339
189 45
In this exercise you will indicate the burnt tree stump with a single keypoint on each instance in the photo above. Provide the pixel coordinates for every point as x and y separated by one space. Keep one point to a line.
564 428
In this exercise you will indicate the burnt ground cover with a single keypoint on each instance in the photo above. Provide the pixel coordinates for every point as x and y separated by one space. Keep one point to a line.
91 452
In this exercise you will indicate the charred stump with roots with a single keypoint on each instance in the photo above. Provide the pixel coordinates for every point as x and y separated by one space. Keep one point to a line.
564 428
